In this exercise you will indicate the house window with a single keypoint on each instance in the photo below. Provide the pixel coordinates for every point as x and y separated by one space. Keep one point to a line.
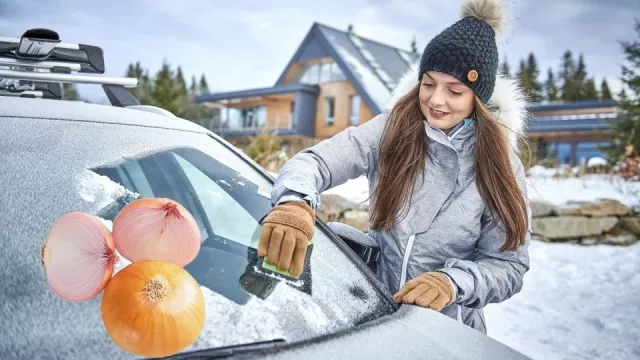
354 114
246 118
310 74
319 73
330 105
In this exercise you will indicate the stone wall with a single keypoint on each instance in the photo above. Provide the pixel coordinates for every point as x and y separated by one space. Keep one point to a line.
586 223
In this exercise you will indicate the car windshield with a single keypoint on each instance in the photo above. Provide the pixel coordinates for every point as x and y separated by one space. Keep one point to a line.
51 167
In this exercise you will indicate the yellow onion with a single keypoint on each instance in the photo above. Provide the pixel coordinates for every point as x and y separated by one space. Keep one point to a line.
153 308
156 229
78 257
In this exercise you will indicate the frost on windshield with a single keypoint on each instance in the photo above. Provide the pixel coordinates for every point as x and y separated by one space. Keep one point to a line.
339 297
100 191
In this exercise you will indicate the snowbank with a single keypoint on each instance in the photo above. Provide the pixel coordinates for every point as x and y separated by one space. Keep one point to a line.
597 161
577 302
586 188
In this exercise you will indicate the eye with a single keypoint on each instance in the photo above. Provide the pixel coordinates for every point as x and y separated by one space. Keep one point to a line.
456 93
427 84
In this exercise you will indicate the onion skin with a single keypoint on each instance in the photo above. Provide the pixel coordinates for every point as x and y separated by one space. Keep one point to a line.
156 229
79 256
153 308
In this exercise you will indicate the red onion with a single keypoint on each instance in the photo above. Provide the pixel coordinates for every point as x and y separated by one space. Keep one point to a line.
79 256
156 229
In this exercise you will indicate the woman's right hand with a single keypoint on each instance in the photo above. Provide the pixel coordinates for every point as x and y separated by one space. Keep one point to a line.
285 235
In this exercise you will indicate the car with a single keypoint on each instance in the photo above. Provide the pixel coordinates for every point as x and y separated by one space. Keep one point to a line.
60 156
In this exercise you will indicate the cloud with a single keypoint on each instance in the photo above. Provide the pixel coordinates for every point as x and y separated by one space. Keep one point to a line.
246 43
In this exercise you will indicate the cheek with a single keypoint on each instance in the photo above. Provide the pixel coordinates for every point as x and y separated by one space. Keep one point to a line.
423 95
463 105
423 98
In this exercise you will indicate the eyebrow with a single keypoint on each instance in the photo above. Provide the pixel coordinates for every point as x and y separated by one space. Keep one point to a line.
449 83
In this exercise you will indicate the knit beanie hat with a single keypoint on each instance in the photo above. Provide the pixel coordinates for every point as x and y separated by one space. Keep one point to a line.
467 50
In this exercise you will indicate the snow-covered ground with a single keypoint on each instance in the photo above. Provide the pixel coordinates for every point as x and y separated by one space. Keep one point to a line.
577 302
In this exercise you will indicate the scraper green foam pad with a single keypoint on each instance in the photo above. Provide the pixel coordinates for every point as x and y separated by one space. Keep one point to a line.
269 267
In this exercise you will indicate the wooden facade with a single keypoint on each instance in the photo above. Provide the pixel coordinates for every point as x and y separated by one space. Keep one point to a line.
341 93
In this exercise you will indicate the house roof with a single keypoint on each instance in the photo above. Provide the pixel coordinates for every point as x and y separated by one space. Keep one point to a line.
572 105
373 68
278 89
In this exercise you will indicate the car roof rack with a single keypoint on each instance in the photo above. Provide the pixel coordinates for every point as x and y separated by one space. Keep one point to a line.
37 63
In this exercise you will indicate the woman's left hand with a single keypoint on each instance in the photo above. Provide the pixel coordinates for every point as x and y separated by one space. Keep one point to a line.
431 290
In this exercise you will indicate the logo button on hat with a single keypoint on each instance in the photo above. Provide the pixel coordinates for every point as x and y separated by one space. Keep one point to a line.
472 75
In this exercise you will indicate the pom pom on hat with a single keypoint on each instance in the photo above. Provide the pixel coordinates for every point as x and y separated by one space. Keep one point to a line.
491 11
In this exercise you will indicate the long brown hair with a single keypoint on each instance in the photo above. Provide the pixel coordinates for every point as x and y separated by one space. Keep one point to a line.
402 155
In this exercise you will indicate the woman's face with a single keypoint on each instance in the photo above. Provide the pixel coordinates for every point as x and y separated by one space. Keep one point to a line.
444 100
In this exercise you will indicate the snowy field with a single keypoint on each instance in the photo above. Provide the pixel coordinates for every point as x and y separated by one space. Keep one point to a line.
577 302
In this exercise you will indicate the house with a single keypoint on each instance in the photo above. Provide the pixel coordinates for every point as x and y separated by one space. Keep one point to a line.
334 80
338 79
570 131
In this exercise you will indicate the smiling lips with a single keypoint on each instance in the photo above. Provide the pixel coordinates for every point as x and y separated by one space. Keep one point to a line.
437 114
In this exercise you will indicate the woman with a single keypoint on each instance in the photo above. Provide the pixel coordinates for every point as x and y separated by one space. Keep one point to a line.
448 207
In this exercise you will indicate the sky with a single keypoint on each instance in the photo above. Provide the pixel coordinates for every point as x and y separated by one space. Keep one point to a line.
245 44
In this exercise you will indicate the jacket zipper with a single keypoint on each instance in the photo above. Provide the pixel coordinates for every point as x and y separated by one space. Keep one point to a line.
405 261
403 276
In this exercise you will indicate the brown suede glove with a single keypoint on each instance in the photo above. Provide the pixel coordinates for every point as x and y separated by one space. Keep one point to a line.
431 290
285 235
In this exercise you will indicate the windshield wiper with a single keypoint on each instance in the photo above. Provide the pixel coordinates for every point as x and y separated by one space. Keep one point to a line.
226 351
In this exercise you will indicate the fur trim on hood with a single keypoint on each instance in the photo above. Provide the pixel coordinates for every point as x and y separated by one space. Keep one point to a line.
508 102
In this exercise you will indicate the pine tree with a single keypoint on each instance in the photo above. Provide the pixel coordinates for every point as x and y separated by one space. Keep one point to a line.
566 77
622 95
166 93
180 82
69 92
580 79
626 129
193 87
550 86
204 86
144 89
605 93
505 70
524 77
591 92
536 88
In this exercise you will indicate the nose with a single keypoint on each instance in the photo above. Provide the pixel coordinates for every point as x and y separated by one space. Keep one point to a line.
437 98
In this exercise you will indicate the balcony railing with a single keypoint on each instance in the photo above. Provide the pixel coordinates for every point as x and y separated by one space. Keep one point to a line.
280 124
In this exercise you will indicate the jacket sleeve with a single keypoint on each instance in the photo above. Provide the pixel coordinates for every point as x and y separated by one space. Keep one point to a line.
491 276
347 155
